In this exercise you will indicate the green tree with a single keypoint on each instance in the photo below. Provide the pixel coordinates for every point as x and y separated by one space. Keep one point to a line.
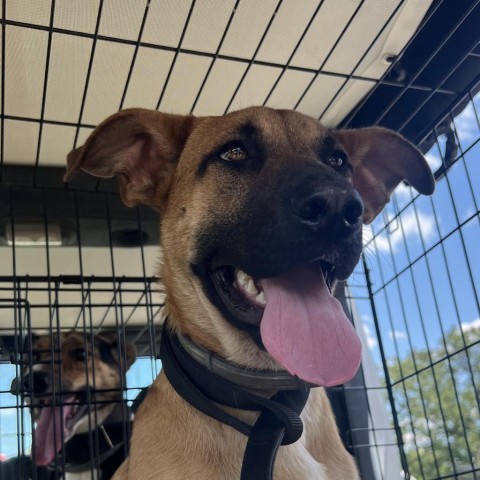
437 400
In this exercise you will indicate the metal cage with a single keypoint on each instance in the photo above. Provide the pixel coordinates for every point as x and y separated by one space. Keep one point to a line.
74 258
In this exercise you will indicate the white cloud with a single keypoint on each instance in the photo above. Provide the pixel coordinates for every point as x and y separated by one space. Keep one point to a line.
468 326
469 212
470 332
398 334
413 227
8 412
433 159
370 336
403 192
466 125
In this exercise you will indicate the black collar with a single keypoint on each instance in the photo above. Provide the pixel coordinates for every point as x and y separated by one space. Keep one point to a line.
258 380
279 421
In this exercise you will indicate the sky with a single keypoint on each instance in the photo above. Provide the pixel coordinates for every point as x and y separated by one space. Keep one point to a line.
418 305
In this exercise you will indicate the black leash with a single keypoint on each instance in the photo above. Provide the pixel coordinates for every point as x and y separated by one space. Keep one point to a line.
278 424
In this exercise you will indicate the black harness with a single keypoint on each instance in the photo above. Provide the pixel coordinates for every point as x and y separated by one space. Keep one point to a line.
279 422
110 438
110 443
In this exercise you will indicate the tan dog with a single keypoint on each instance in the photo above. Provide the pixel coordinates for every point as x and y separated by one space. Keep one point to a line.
74 386
260 212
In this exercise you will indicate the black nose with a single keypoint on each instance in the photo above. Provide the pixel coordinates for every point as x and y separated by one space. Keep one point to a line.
40 382
353 210
15 386
330 208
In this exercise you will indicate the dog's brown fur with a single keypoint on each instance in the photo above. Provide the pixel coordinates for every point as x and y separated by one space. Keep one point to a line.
55 356
76 374
165 161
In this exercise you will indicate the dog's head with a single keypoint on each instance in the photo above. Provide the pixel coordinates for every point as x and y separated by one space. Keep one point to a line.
72 383
262 211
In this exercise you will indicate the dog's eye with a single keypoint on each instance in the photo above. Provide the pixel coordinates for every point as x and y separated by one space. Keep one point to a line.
36 357
337 159
79 354
233 153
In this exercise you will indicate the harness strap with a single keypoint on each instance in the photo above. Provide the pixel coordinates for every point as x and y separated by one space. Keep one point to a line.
268 433
110 438
279 422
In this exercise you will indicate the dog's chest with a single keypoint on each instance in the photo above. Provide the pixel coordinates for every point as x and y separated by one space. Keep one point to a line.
294 461
86 475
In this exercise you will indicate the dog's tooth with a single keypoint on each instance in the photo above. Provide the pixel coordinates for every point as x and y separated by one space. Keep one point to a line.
261 298
251 288
242 278
238 276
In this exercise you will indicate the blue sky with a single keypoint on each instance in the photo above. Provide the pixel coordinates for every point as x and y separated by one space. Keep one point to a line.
423 302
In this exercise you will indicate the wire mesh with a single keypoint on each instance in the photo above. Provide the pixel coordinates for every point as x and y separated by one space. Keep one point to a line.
47 316
53 32
414 298
416 291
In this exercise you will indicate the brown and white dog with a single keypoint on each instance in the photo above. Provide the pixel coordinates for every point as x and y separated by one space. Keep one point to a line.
261 210
73 387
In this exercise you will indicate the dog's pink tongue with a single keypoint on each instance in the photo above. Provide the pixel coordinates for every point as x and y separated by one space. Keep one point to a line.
305 329
48 433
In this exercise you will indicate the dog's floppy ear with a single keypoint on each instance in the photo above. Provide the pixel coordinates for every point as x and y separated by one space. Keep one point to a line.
140 147
381 159
128 351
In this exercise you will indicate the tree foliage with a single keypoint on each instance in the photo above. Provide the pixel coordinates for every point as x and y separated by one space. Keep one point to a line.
437 399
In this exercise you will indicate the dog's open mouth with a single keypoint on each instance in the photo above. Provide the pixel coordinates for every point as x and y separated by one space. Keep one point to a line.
245 296
57 424
301 324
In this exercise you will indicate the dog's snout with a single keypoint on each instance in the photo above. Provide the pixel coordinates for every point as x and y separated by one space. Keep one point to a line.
15 386
313 209
40 382
353 210
330 208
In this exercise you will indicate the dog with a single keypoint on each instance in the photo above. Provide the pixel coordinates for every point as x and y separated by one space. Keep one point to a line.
73 388
261 213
